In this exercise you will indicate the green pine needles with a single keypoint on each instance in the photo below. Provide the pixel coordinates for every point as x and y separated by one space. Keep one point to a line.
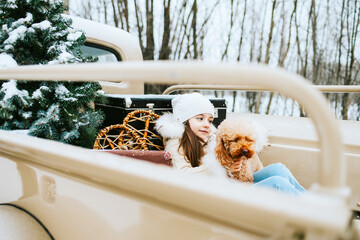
35 32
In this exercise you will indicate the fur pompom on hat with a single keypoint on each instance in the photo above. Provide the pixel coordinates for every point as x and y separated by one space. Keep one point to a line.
187 106
168 127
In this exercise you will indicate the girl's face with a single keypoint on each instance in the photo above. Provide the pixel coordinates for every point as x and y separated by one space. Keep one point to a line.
201 125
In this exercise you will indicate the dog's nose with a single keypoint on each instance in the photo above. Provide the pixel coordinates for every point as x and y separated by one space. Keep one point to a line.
244 152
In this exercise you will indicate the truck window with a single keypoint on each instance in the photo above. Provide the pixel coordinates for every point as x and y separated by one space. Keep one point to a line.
105 54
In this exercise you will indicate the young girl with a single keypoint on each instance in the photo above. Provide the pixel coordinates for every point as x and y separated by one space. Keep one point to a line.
189 138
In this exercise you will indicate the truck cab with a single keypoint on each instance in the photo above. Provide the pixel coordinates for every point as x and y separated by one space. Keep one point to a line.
110 44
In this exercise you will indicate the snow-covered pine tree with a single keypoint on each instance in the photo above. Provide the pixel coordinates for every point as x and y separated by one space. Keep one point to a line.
35 32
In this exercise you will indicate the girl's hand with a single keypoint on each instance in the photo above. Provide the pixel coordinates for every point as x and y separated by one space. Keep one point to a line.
235 167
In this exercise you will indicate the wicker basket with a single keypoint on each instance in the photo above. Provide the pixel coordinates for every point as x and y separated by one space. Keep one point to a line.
132 134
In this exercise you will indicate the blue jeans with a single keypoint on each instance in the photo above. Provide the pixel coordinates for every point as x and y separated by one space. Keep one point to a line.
277 176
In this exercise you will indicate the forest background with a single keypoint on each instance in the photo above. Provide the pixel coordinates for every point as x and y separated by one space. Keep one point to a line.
317 39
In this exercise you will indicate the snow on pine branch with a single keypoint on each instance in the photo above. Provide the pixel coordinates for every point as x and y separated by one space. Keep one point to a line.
11 4
10 90
18 31
17 34
22 21
38 93
55 2
44 25
64 57
74 36
7 61
63 94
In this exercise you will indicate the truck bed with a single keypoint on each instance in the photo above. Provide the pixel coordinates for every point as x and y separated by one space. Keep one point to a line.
77 193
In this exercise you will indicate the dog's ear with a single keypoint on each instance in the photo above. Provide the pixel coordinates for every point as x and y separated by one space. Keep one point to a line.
221 153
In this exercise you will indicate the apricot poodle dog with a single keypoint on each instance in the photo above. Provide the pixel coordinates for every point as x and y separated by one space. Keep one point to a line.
238 139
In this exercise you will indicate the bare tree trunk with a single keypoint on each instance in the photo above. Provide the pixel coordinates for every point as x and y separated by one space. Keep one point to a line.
190 35
262 33
339 53
298 47
194 32
251 96
150 45
304 62
105 11
304 67
87 13
122 14
139 25
126 13
314 41
350 59
268 46
340 42
281 49
115 17
165 48
353 38
234 100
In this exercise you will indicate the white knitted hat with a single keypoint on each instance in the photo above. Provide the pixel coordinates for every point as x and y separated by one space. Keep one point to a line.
187 106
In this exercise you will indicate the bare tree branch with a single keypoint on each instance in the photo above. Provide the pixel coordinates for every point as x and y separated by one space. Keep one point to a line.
230 30
242 32
268 46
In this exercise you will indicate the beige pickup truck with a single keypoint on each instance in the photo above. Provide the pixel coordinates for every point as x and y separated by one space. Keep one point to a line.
50 190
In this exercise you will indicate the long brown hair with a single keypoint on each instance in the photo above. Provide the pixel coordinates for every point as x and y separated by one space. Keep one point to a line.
192 146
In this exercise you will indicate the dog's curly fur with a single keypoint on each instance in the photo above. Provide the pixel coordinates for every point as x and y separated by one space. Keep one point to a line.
239 139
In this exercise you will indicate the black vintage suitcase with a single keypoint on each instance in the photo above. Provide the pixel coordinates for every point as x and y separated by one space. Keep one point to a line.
118 106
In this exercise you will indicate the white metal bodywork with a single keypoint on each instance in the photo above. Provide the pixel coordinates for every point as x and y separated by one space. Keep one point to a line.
104 35
98 195
79 194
